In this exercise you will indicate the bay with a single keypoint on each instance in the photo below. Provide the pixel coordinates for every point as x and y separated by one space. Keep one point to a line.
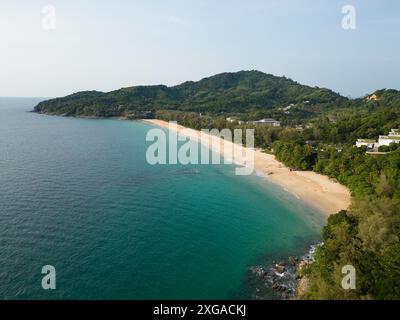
78 194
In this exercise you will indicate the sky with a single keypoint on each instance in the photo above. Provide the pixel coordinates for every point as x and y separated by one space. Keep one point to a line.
51 48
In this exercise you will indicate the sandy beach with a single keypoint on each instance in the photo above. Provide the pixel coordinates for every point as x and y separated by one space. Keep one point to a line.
317 190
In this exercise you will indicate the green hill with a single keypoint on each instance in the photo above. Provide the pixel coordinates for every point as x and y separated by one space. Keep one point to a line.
237 92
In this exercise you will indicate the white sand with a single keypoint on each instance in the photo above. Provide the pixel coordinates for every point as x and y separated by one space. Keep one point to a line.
319 191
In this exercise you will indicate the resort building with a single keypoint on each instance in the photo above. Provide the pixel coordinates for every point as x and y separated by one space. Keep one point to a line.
267 122
369 143
393 137
387 140
373 97
234 119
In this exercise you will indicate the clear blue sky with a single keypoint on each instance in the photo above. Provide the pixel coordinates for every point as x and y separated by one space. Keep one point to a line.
106 45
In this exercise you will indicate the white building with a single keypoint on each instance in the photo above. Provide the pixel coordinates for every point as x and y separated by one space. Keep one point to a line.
267 122
393 137
233 119
387 140
369 143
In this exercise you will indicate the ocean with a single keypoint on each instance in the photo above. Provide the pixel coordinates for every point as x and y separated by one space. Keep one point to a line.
79 195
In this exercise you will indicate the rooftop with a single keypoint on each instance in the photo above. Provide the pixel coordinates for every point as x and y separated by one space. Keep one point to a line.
267 120
389 137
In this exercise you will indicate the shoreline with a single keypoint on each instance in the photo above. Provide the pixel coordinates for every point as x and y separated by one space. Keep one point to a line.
316 190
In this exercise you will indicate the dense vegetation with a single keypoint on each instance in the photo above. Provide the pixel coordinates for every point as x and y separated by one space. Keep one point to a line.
366 236
249 93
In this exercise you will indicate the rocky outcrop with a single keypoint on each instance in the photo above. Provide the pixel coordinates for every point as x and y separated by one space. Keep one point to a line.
282 280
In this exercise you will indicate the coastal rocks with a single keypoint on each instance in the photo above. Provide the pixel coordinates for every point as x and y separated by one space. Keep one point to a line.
277 280
280 280
280 269
258 271
310 255
302 281
293 261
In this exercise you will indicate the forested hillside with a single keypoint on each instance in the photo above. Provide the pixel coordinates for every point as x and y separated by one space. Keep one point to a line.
242 92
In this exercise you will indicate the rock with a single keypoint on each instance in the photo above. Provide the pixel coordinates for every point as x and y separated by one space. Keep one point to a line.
293 261
280 269
280 288
258 271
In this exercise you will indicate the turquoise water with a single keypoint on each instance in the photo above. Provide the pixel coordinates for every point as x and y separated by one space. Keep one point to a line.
78 194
